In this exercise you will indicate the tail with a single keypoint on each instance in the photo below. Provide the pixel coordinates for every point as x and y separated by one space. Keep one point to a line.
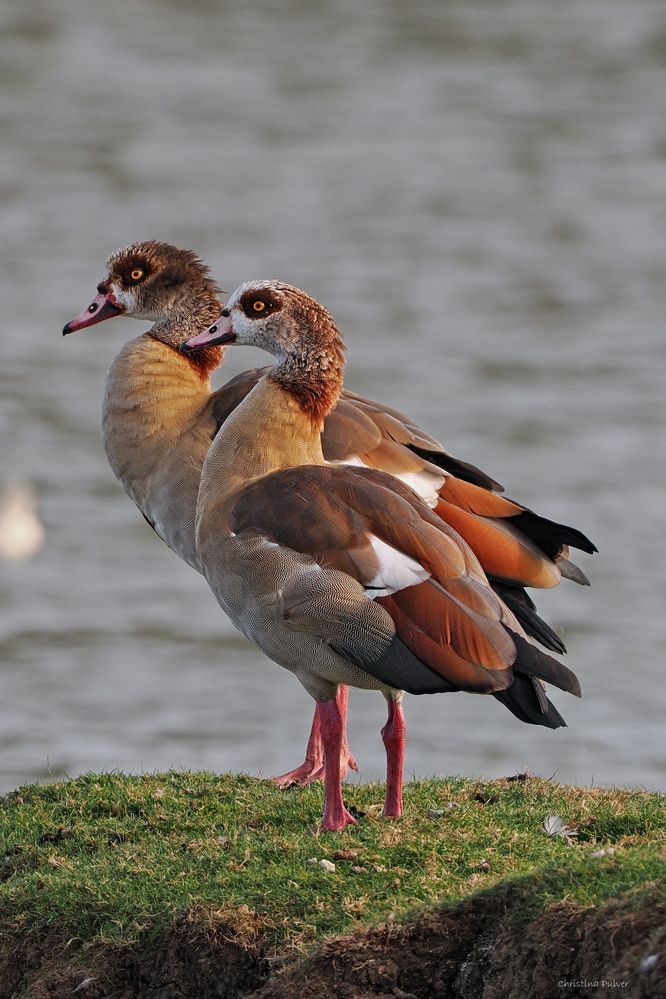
551 537
526 697
518 601
533 662
527 700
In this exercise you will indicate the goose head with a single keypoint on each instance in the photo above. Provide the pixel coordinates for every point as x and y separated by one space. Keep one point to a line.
164 284
276 317
299 332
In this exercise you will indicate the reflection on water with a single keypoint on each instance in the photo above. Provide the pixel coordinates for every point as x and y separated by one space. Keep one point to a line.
476 190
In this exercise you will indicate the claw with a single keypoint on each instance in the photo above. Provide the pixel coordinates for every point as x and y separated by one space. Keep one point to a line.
303 775
312 768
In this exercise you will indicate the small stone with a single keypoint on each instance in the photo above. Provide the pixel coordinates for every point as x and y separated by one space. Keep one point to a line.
484 865
606 851
312 862
648 963
327 865
85 984
359 870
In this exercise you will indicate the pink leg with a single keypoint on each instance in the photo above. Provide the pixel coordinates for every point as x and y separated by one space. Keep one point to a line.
313 767
335 815
393 735
347 760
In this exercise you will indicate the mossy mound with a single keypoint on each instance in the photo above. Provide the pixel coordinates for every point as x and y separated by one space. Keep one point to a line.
192 885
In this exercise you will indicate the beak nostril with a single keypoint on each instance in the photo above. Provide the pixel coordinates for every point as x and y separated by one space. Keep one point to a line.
93 308
213 329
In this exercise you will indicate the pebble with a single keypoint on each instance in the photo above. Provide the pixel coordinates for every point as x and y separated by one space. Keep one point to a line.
326 865
85 984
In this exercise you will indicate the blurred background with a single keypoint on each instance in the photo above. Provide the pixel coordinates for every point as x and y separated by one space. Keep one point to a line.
477 190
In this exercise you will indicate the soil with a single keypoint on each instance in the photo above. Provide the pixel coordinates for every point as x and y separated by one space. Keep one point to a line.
478 949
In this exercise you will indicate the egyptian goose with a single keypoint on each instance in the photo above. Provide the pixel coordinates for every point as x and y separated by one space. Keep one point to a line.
160 417
343 574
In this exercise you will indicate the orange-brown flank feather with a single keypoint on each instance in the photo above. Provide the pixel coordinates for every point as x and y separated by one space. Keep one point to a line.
451 622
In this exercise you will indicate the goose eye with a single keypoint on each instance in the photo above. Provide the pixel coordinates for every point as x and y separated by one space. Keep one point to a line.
258 306
136 274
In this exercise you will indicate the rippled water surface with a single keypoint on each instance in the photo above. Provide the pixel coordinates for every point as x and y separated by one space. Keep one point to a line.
477 190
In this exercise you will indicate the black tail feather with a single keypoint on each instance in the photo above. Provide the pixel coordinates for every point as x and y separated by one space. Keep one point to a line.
550 536
518 601
526 699
534 662
461 469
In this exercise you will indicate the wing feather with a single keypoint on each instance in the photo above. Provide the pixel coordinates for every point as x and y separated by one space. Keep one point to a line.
511 542
452 621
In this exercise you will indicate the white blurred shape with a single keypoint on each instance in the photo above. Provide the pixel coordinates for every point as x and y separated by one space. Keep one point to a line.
21 530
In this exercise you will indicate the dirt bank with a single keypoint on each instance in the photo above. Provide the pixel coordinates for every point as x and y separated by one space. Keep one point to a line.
482 948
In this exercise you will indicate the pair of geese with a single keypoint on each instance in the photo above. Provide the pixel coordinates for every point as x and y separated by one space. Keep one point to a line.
339 538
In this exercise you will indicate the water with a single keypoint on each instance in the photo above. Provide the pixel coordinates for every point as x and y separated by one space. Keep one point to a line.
477 191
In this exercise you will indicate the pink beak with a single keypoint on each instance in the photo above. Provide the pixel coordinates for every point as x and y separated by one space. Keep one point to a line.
219 333
103 307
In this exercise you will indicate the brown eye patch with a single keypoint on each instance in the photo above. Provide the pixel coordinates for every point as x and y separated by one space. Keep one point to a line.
257 304
134 272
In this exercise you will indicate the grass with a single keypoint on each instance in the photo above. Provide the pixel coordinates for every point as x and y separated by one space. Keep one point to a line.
115 860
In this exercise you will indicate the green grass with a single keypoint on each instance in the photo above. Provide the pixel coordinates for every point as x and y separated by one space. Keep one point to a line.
115 860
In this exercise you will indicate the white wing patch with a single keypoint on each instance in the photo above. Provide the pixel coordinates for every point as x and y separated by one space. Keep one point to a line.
396 570
425 483
353 460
